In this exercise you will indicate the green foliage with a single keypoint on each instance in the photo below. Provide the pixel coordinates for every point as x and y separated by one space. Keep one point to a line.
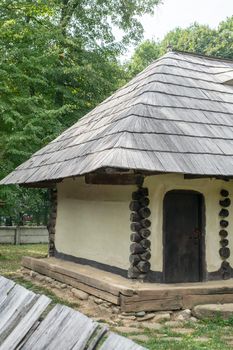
144 54
58 60
199 39
219 321
19 201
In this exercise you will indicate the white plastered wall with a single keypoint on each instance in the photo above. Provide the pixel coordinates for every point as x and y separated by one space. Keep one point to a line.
210 188
93 220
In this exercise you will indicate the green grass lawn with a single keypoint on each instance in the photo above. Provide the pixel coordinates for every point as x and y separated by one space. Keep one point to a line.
207 335
10 262
11 255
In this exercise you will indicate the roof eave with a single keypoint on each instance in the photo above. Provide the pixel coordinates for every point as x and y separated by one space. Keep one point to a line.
113 172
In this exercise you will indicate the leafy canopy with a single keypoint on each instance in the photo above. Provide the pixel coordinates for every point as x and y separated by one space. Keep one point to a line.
58 60
197 38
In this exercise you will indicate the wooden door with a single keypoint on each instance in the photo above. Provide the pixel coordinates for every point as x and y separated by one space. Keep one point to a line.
182 236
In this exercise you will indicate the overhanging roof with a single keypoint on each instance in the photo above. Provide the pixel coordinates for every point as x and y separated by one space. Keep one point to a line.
176 116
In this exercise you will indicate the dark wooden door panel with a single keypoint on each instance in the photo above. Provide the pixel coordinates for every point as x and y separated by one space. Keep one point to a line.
182 234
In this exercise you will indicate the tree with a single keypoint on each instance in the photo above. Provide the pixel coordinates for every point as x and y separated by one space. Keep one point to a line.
223 45
144 54
58 61
197 38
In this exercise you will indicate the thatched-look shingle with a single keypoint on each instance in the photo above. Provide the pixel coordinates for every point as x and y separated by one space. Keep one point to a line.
176 116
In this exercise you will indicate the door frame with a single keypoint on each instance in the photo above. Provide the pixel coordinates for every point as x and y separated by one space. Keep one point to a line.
202 263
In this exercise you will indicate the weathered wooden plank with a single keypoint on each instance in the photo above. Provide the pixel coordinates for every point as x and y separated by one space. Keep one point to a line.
63 328
189 301
86 288
104 281
136 159
111 179
5 286
147 295
117 342
26 323
75 283
169 137
100 333
149 122
174 303
42 184
13 308
168 291
185 296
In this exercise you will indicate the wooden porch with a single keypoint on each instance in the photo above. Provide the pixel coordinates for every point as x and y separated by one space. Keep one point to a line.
132 295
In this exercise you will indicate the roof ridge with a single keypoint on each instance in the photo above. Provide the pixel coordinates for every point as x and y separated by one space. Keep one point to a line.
210 57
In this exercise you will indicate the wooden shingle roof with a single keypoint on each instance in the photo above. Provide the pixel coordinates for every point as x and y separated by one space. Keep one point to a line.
175 116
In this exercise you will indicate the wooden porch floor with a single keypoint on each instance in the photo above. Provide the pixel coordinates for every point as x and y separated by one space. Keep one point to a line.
132 295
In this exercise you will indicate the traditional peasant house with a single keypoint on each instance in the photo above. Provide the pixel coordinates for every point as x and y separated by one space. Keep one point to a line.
142 186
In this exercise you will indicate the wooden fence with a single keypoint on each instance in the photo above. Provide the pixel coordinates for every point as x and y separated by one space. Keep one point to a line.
29 321
23 234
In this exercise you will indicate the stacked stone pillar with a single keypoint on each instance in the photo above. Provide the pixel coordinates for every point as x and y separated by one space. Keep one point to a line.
140 227
224 251
52 221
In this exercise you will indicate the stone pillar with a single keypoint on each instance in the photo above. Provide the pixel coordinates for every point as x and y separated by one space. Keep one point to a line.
140 246
52 221
224 251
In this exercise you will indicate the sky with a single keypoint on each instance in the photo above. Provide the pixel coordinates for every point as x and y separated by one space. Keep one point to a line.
182 13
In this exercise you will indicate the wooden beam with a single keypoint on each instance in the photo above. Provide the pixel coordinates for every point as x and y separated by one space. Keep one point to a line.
193 177
157 304
84 274
132 296
42 184
113 179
